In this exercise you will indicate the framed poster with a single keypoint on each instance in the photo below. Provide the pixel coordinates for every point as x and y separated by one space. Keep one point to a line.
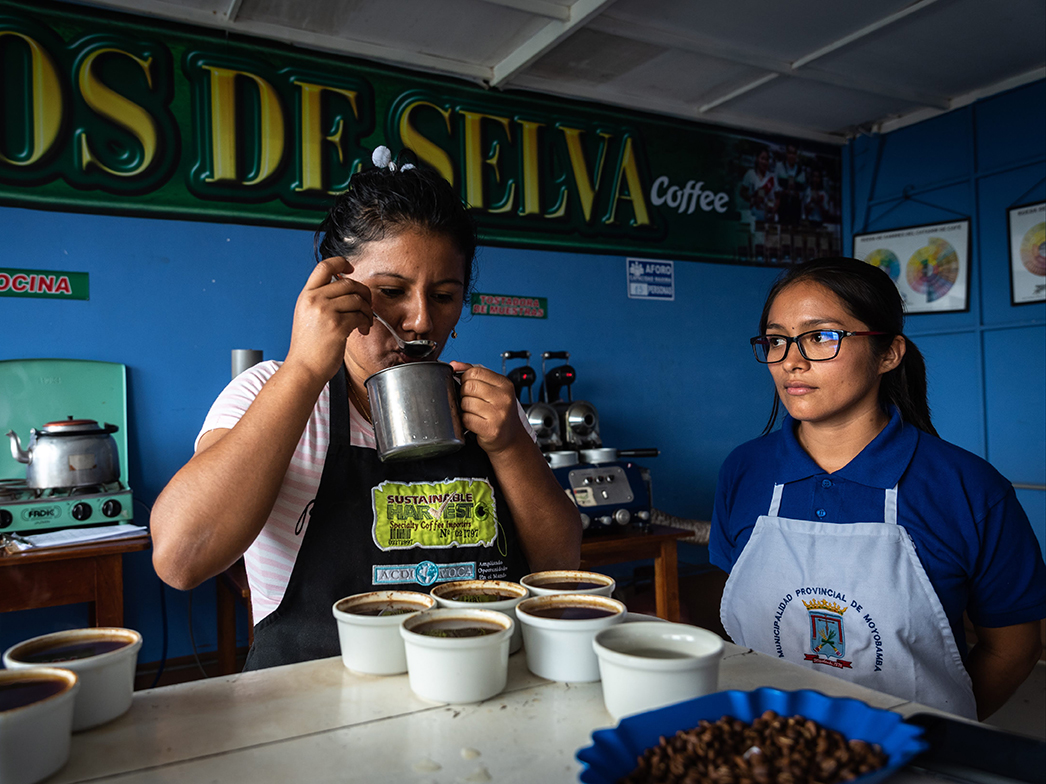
930 264
1027 233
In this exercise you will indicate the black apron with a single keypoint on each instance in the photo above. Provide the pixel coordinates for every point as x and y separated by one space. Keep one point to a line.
404 525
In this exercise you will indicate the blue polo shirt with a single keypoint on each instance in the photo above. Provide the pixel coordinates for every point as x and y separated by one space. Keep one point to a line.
970 532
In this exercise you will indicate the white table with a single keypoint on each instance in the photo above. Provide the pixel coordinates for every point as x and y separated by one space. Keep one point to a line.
318 722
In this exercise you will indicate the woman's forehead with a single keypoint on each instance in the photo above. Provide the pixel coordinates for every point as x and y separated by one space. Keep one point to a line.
809 302
412 254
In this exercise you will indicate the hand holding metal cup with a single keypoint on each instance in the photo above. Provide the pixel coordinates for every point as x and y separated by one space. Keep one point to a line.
415 410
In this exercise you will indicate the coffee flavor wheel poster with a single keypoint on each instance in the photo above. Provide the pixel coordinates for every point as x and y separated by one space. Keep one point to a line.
930 265
1027 232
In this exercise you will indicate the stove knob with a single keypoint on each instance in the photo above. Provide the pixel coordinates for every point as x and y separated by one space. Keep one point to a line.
622 516
643 515
6 518
605 520
81 511
111 508
586 521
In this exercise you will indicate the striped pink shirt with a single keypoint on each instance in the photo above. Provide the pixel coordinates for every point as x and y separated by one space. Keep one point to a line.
270 557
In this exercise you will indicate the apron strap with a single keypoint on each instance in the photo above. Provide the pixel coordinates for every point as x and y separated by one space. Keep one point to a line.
890 507
775 502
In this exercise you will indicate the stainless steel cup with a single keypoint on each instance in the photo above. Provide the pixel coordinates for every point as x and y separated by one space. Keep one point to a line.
415 411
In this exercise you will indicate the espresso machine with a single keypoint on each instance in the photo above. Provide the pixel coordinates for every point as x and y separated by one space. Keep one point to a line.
609 489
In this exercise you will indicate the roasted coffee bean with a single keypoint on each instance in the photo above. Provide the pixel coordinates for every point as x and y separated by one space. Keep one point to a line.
773 748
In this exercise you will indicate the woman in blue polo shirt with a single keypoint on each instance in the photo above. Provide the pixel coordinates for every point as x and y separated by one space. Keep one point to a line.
855 538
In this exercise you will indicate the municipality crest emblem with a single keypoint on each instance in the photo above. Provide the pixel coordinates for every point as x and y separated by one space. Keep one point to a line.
827 641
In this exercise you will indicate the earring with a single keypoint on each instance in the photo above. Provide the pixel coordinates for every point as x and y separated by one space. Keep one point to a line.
454 333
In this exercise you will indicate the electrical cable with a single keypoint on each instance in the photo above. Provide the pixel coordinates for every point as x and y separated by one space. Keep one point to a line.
192 640
163 616
163 656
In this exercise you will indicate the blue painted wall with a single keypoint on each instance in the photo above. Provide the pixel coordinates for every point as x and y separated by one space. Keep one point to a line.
987 367
171 299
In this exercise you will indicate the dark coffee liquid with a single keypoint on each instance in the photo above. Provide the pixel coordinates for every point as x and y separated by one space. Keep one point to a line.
570 585
383 608
658 653
480 596
571 613
15 694
456 628
71 651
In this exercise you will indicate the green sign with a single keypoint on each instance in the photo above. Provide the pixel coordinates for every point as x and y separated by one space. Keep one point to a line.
47 284
110 113
509 305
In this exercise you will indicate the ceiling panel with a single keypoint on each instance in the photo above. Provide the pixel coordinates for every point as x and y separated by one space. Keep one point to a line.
595 58
783 31
951 48
819 69
464 30
696 79
820 107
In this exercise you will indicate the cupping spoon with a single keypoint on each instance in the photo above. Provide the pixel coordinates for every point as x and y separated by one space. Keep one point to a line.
415 349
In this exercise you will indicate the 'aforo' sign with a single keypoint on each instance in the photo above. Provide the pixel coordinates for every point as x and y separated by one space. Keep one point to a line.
104 112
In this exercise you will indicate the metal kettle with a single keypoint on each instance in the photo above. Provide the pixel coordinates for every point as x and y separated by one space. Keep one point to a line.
68 453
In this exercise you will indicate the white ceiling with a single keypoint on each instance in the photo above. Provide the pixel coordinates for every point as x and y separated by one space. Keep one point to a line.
817 69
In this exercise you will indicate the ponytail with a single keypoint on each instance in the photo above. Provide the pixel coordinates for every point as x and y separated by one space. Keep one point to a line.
905 388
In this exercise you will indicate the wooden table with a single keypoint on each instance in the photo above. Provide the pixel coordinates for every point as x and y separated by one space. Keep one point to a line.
90 572
657 542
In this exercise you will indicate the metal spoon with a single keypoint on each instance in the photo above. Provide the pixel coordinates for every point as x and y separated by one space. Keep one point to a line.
415 349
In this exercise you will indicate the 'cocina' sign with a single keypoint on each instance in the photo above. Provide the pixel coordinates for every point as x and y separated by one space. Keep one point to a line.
43 283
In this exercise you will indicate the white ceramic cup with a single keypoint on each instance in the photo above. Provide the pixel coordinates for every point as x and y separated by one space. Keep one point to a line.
647 665
35 738
457 669
560 649
372 644
106 679
446 593
543 583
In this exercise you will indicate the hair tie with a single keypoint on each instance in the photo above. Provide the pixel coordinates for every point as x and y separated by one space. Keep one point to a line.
382 158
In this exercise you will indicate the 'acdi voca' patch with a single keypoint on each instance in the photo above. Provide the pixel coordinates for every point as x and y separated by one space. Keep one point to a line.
454 513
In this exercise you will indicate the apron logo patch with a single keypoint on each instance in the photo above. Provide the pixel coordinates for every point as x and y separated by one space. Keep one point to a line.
425 573
825 630
454 513
826 633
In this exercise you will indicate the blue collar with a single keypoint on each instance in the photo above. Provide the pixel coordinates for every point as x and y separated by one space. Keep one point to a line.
880 464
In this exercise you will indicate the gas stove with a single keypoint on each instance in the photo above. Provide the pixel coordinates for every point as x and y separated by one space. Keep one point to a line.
37 391
26 509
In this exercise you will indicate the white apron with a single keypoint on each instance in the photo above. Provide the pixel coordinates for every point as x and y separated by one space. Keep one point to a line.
852 600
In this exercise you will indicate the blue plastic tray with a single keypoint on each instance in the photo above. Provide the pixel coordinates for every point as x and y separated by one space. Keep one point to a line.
614 751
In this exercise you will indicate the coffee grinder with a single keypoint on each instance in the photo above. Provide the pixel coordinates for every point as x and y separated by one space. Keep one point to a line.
541 416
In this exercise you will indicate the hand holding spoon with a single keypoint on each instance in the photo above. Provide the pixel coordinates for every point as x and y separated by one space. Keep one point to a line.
415 349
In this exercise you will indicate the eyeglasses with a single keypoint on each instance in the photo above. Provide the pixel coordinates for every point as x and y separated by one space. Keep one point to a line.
817 345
